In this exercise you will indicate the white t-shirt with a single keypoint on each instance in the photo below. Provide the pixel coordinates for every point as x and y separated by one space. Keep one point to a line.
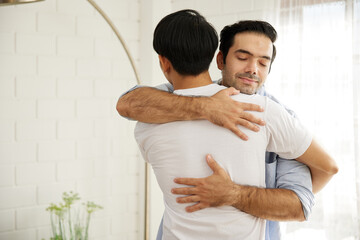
178 149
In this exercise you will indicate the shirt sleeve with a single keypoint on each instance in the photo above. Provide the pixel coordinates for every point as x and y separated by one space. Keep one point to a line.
295 176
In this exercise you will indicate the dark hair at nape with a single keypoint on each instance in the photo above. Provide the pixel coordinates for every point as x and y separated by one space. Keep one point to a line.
187 40
228 33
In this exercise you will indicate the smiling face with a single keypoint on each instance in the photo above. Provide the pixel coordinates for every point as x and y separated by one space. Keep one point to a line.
247 62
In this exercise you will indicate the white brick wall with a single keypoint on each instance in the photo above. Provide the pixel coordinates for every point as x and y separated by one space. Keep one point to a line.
35 44
44 233
99 108
75 46
52 192
75 129
35 87
61 72
55 108
17 64
56 67
17 152
74 88
7 42
75 170
31 217
19 234
98 28
100 228
11 108
7 175
65 24
75 7
93 148
7 220
49 151
21 21
13 197
35 173
7 128
7 87
94 67
35 130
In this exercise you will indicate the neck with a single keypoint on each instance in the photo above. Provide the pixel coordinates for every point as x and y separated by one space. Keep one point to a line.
184 82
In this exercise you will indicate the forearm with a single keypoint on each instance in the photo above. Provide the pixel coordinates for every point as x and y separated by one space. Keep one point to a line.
319 179
321 165
150 105
219 190
270 204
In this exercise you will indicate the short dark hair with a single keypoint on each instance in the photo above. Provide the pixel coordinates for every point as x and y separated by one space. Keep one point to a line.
228 33
187 40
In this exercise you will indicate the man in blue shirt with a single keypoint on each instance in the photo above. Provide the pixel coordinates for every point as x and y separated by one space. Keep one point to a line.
289 192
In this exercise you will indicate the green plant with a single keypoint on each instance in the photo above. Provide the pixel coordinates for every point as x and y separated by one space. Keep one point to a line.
67 218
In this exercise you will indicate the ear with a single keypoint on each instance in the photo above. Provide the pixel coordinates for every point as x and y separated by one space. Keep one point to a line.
220 60
164 64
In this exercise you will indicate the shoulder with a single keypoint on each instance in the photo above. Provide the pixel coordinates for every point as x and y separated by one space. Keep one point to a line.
254 98
262 91
274 110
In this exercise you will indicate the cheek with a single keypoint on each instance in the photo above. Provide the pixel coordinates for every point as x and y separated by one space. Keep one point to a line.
237 68
229 70
263 75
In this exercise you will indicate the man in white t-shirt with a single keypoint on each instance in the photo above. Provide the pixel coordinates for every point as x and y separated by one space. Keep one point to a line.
186 44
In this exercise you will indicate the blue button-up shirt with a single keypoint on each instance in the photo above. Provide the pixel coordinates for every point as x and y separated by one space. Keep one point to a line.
280 173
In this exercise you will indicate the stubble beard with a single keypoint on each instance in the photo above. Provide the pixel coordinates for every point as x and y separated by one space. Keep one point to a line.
248 90
236 83
242 87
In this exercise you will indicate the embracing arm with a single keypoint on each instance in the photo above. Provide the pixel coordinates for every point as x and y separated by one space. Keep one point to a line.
150 105
147 104
321 165
218 190
274 204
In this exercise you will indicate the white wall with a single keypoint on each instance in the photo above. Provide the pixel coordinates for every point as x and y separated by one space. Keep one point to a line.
61 72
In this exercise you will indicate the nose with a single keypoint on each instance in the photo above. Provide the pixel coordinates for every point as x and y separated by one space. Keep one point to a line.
251 67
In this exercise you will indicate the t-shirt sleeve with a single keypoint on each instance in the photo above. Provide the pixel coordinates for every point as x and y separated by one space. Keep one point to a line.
287 136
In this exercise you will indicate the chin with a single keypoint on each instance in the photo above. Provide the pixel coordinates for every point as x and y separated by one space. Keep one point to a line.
247 91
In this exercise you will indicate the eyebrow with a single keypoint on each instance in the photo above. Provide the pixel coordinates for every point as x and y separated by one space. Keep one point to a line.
251 54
